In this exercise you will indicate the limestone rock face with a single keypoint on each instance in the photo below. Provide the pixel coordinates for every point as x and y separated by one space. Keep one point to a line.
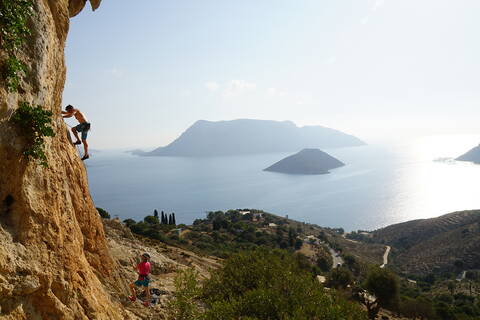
54 259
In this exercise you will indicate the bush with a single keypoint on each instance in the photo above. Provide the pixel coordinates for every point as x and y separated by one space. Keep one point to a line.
151 220
265 284
129 222
184 306
14 31
103 213
35 124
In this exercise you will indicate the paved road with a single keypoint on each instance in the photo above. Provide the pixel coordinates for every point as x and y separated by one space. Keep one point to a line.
385 257
337 260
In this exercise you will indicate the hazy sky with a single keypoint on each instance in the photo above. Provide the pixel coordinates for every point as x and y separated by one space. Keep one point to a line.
143 71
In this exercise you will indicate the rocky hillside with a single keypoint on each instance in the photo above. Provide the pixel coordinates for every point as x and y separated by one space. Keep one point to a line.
166 262
472 155
307 161
246 136
421 246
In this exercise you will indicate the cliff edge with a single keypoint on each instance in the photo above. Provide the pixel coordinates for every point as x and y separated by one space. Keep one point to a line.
54 259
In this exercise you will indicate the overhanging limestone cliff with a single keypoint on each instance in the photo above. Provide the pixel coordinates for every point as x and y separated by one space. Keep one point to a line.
53 253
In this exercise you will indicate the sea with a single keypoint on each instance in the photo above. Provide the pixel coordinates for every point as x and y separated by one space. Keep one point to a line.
381 184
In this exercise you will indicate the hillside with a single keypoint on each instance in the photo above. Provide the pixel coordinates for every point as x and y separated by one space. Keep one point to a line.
245 136
307 161
472 155
421 246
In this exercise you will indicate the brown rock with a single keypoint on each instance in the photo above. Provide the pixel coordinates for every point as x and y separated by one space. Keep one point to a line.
54 260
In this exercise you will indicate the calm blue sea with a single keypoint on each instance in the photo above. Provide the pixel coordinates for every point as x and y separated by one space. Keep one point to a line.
380 185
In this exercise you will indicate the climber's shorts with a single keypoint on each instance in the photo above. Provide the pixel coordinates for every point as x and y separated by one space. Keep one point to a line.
83 128
142 283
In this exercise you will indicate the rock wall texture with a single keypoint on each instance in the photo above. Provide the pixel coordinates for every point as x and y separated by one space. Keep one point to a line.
54 260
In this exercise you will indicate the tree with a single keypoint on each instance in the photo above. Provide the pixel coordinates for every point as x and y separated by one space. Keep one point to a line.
384 284
150 220
129 222
155 213
103 213
170 219
324 259
173 219
339 278
162 218
165 219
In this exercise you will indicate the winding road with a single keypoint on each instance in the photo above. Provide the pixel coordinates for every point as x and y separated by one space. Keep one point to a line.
385 257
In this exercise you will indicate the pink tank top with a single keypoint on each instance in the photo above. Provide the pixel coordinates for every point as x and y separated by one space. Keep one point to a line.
144 268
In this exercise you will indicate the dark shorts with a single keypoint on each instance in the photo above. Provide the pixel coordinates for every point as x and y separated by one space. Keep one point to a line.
142 283
83 128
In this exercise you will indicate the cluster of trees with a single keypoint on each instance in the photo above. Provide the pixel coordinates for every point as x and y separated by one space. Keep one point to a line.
260 284
428 300
224 233
155 226
164 218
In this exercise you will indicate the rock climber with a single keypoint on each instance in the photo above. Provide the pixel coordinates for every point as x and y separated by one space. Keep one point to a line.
83 127
143 270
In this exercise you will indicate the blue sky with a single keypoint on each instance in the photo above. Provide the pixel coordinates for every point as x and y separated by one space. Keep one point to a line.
144 71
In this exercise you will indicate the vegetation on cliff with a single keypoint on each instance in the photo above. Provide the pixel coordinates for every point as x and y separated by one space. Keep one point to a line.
14 30
35 124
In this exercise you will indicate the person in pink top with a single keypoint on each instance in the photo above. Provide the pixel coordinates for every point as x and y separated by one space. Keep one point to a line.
143 270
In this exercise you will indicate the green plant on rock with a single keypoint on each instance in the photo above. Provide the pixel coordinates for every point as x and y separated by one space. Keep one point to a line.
35 124
13 69
14 30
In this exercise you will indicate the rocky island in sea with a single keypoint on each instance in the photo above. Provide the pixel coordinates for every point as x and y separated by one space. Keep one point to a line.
248 136
307 161
473 155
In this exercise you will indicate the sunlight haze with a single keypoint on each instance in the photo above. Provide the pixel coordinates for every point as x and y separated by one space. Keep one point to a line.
143 72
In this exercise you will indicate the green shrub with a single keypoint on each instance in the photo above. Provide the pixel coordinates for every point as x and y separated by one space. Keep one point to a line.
12 71
265 284
103 213
187 293
35 124
14 30
129 222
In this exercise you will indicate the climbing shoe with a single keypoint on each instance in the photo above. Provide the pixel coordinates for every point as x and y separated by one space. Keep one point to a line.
132 298
77 142
85 157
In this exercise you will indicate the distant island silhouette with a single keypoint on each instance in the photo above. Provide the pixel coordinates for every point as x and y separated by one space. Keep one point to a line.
307 161
473 155
246 136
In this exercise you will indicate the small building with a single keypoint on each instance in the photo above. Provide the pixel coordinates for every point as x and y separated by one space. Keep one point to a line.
244 212
321 279
272 225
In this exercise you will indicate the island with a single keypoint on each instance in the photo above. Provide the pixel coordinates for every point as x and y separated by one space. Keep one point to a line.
248 136
307 161
473 155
